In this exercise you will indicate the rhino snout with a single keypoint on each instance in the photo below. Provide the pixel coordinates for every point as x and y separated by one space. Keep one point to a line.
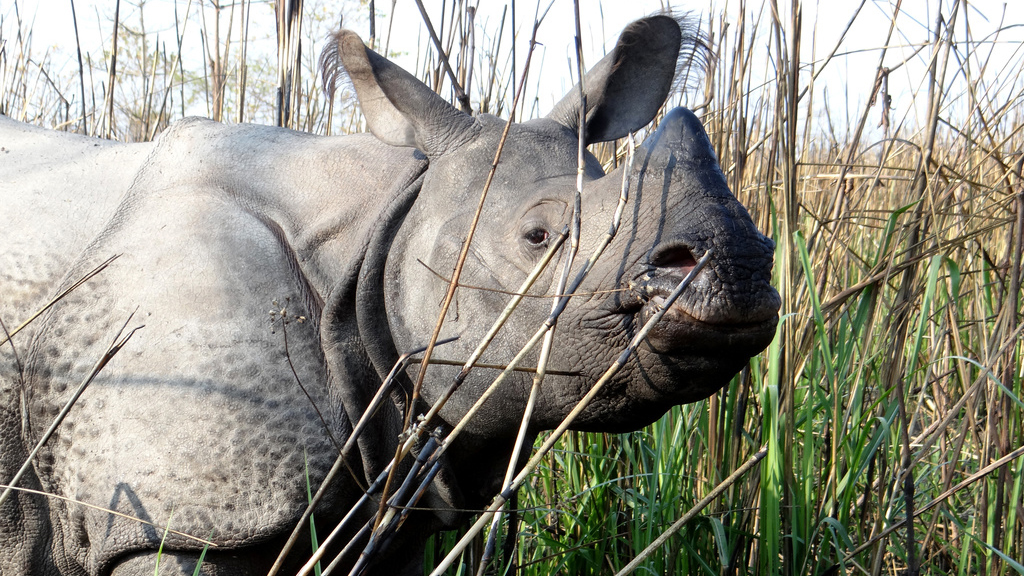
730 299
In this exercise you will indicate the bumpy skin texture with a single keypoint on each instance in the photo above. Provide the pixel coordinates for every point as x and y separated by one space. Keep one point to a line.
277 276
200 421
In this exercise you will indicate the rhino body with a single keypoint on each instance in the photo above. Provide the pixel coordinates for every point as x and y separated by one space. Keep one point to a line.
278 276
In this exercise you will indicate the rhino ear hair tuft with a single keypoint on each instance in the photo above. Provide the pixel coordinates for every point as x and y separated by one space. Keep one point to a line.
399 109
695 54
332 69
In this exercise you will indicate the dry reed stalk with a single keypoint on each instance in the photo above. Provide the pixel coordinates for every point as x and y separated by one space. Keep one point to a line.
549 443
112 72
289 58
342 462
568 259
453 285
442 55
81 71
116 344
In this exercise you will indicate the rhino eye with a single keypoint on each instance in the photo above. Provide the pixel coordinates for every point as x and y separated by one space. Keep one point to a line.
536 236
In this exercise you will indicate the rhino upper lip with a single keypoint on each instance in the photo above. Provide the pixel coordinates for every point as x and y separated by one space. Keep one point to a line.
651 290
667 265
686 316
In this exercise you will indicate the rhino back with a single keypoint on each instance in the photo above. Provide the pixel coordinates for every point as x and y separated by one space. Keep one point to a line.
57 191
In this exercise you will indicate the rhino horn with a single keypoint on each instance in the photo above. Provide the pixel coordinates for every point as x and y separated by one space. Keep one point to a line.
399 109
627 87
680 143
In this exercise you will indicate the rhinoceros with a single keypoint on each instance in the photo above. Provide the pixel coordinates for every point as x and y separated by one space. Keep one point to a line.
273 278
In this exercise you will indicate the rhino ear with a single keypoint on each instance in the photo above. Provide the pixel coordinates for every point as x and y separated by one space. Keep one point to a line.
628 86
399 109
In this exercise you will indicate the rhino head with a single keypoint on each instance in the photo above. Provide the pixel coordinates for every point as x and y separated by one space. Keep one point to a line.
681 208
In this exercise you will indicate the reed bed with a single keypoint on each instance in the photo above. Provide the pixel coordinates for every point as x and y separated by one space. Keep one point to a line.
889 406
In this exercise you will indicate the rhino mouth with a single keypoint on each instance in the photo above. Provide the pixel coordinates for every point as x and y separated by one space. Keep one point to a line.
680 331
705 318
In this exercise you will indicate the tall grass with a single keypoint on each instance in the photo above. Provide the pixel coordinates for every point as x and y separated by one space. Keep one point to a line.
891 401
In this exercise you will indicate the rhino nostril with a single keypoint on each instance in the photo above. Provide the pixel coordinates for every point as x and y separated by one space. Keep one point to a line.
673 255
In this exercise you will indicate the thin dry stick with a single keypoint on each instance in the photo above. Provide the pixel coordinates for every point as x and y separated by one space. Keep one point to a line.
60 297
341 461
992 467
106 510
444 362
549 337
541 332
498 324
471 32
243 70
426 460
326 544
464 253
485 342
115 346
542 364
563 300
81 68
363 532
289 25
113 71
467 367
380 539
535 339
692 512
148 106
460 94
624 357
545 296
472 229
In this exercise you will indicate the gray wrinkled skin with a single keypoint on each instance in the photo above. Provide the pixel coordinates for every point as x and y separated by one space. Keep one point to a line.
200 421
